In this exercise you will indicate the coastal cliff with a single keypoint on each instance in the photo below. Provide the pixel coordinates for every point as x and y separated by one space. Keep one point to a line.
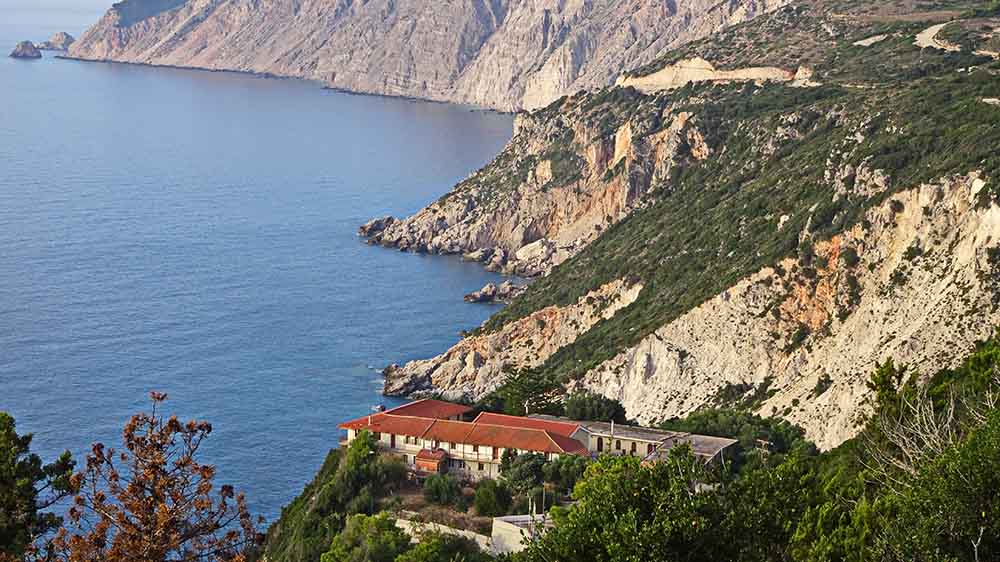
759 219
569 173
503 54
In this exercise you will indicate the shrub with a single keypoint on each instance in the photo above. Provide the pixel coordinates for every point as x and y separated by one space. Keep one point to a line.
438 547
441 489
524 473
565 471
368 539
492 499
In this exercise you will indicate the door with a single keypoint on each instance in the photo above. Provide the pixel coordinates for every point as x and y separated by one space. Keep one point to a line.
392 441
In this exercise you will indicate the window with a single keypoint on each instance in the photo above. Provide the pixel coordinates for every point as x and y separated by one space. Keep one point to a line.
475 449
481 467
650 448
496 453
632 451
451 445
436 444
600 444
377 436
618 445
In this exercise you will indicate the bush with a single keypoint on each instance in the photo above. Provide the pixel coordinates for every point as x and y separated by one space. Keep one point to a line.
524 473
565 471
492 499
441 489
368 539
438 547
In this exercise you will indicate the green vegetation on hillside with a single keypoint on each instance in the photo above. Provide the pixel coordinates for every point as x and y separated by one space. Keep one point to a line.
921 483
775 151
351 481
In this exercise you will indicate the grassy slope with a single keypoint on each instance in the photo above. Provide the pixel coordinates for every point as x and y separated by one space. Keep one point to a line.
738 194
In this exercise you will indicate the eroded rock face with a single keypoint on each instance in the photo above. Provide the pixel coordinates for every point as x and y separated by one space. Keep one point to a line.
534 207
375 226
479 364
493 293
58 42
25 50
914 284
505 54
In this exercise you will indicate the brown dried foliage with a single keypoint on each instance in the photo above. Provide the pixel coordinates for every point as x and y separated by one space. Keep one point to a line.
154 502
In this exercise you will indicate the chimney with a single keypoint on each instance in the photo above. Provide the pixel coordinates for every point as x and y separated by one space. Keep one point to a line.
369 419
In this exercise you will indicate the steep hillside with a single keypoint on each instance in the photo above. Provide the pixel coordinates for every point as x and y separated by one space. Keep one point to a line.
503 54
784 231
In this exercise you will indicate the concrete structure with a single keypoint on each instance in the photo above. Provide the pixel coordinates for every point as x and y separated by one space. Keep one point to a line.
431 437
514 532
416 529
650 444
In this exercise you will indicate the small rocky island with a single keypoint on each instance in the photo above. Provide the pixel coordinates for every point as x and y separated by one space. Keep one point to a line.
58 42
26 50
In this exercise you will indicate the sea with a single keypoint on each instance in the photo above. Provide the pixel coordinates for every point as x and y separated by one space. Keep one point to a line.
194 233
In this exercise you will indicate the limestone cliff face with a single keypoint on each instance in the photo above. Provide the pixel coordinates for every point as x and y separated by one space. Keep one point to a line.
561 181
914 283
478 364
504 54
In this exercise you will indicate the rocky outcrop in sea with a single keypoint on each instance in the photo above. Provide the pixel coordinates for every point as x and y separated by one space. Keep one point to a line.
26 50
60 41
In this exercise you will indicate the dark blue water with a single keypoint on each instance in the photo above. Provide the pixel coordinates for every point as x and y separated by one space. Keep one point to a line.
194 233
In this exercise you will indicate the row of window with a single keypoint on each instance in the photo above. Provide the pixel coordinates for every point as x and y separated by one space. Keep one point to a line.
437 444
618 446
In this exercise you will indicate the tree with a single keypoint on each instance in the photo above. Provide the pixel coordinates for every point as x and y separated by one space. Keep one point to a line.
27 488
153 501
565 471
374 538
950 509
524 473
441 489
753 432
627 511
438 547
589 406
492 499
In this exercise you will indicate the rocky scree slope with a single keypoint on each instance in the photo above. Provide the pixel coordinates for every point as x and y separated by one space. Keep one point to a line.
503 54
810 233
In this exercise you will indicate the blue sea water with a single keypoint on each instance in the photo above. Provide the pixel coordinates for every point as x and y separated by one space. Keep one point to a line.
194 233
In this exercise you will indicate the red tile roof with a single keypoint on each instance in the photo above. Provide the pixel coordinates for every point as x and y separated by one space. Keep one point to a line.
523 440
566 429
504 432
430 409
385 423
432 454
421 409
447 431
